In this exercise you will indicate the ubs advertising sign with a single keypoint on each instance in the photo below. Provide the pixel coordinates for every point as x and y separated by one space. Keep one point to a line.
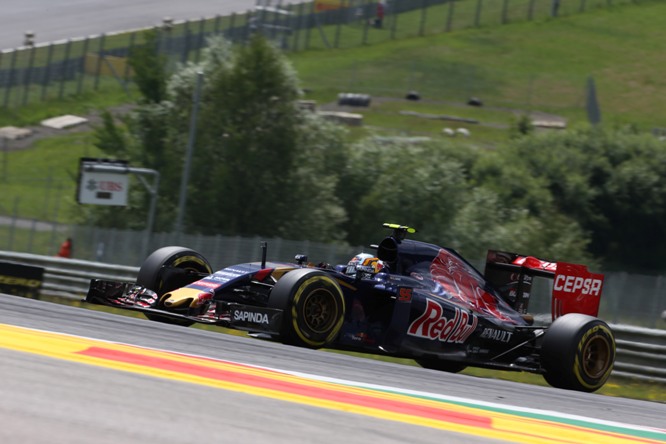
20 279
103 182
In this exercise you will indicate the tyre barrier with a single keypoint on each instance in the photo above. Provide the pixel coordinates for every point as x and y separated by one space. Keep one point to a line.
413 95
350 99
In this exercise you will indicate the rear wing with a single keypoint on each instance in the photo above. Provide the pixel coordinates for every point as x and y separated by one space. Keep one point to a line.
575 288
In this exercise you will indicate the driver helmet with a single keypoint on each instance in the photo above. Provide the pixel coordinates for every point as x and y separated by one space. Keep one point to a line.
364 265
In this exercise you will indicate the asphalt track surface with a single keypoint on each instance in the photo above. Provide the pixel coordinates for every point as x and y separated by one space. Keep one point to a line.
53 20
43 399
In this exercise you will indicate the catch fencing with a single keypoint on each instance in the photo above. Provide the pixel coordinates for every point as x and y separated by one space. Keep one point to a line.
641 352
38 72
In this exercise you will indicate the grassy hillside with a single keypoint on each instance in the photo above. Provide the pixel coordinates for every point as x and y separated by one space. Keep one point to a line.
542 65
515 68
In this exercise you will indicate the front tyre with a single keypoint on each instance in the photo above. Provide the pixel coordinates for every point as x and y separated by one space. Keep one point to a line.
169 268
578 352
313 307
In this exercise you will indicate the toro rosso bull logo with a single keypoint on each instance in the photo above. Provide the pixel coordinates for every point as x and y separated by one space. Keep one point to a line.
433 324
462 283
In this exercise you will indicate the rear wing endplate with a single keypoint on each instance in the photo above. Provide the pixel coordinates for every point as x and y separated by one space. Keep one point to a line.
575 288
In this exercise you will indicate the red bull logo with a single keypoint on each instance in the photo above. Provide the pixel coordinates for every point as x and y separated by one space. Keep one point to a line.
434 325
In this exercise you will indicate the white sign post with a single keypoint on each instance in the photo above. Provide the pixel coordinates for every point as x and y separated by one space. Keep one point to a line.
106 182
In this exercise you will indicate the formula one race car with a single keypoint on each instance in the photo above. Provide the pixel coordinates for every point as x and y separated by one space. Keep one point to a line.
411 299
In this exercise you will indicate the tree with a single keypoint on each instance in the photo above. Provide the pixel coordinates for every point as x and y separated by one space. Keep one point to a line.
422 185
608 181
485 222
256 153
150 68
263 147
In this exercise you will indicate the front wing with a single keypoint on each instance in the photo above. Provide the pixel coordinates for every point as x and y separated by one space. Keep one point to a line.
129 296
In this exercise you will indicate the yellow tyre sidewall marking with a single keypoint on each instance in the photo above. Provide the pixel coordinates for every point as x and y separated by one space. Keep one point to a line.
339 307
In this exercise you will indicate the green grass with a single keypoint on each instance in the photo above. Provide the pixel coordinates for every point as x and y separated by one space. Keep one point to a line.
40 182
110 94
541 65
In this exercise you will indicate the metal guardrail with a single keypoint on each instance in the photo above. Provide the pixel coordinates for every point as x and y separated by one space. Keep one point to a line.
70 278
641 352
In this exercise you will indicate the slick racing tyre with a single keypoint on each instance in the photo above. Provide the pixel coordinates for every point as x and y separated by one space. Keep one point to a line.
441 365
313 307
578 352
169 268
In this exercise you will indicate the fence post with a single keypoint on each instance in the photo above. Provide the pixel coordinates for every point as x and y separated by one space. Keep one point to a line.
308 26
449 19
656 309
100 56
366 22
424 15
186 43
216 28
477 17
33 228
28 80
10 82
84 51
556 8
247 30
505 9
2 79
276 20
130 48
340 19
5 149
200 38
299 24
47 72
231 30
63 69
618 299
530 10
394 21
12 226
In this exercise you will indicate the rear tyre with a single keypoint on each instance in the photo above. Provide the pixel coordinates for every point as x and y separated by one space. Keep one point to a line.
313 307
578 352
169 268
444 366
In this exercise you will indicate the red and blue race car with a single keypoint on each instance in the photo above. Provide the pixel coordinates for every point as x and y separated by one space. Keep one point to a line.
408 299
